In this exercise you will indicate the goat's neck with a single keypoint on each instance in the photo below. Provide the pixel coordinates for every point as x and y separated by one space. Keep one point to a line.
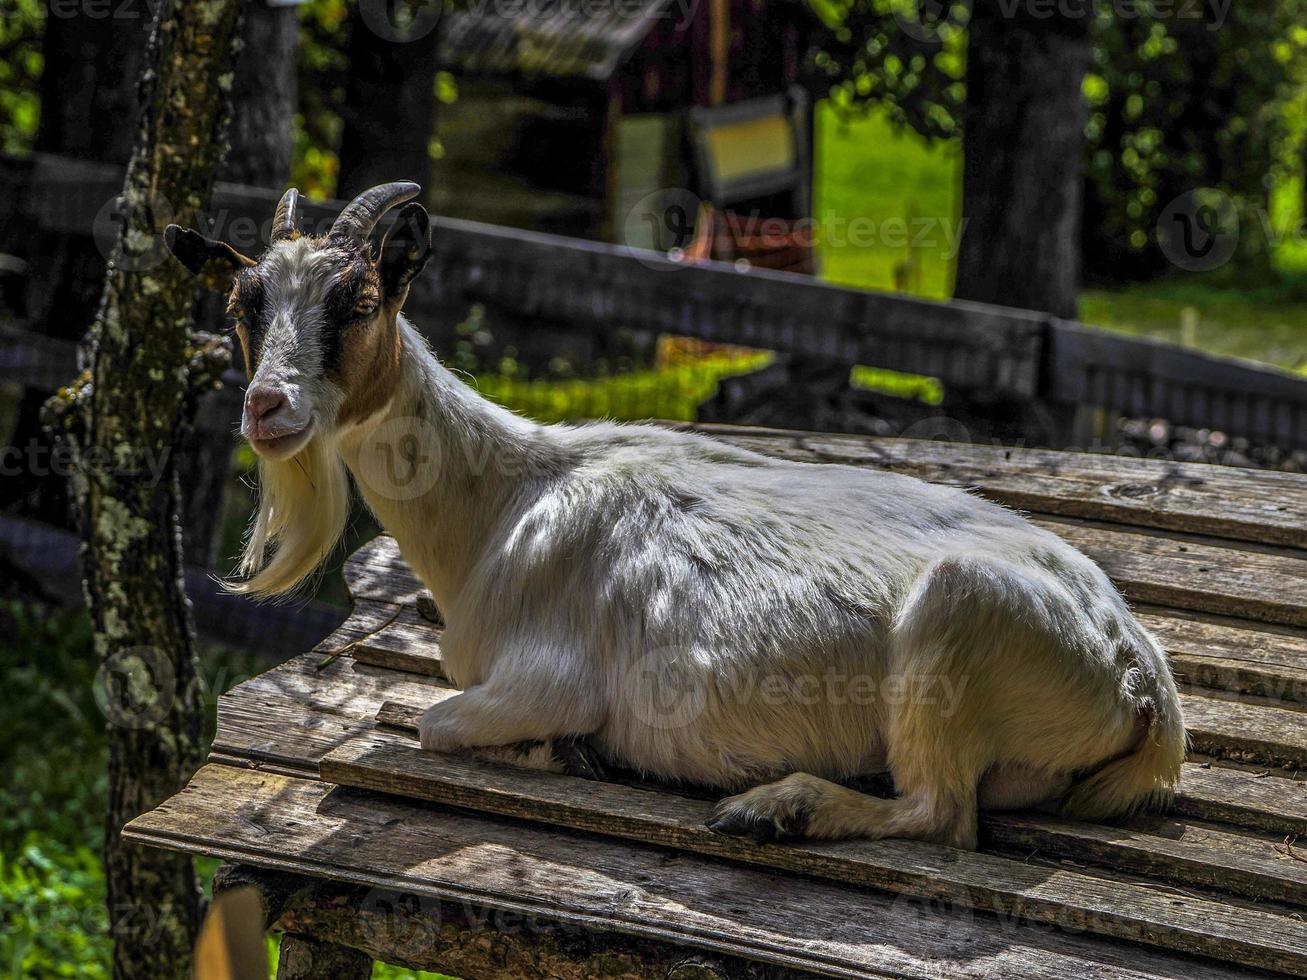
483 458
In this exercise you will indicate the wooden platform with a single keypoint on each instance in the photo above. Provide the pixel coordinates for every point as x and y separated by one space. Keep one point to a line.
315 771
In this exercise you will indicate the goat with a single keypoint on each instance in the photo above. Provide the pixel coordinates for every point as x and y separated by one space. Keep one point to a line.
700 612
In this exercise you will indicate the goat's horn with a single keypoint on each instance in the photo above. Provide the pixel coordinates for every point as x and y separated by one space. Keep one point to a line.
362 214
287 217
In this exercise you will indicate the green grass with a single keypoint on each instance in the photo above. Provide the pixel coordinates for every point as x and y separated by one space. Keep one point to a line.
884 197
1262 328
673 392
52 798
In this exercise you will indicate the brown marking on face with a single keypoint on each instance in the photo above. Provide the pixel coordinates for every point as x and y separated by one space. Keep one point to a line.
243 307
243 336
369 366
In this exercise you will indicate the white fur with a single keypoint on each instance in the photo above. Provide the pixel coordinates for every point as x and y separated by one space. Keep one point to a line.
709 614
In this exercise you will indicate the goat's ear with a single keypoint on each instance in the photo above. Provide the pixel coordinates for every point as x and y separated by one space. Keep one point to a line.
405 250
215 264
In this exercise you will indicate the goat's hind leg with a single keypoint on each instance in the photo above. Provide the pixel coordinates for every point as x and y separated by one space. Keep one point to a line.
937 746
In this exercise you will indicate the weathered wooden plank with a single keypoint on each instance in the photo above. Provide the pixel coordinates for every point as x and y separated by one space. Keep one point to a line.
1248 798
1077 355
460 940
1255 799
1254 733
1225 502
545 275
291 716
528 875
392 635
1232 655
1192 855
1119 909
1183 573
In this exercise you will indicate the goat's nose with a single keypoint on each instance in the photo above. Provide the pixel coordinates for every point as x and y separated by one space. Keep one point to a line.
262 402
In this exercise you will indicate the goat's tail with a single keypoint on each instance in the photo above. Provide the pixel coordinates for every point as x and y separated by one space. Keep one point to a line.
1143 779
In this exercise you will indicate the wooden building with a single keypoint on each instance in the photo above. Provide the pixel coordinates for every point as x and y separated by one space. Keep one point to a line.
578 116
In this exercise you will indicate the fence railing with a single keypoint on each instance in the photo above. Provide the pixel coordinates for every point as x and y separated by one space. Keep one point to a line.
584 287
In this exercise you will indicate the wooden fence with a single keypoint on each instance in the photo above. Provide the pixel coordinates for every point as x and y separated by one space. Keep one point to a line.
587 288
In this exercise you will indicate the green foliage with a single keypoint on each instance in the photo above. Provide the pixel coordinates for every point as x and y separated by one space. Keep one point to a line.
1180 96
1179 102
898 55
21 25
52 751
322 69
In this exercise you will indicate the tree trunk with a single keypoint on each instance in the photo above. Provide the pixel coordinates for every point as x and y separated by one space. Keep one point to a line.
1023 133
390 102
265 94
123 418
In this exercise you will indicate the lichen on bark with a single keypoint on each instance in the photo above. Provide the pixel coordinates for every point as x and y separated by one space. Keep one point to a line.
128 407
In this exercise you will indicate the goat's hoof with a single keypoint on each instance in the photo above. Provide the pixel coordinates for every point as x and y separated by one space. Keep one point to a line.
579 758
760 817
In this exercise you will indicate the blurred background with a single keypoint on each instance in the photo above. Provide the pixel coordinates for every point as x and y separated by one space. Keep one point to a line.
1069 224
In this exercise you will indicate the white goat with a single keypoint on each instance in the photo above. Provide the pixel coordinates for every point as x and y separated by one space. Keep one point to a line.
701 612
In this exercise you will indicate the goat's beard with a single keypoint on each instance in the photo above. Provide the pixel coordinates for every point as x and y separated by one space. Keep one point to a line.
303 506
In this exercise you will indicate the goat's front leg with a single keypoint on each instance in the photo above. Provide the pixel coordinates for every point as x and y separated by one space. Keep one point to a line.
517 714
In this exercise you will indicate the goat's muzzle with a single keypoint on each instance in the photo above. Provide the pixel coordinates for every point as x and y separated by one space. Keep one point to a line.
271 424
